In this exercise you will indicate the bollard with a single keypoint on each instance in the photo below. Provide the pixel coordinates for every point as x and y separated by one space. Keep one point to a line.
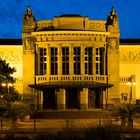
67 124
1 125
99 122
34 125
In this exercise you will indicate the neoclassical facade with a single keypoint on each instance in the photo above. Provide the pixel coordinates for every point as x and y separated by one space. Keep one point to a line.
129 60
67 61
71 62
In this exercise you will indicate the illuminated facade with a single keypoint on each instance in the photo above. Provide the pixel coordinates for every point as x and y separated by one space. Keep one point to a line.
11 50
67 61
129 66
129 50
71 62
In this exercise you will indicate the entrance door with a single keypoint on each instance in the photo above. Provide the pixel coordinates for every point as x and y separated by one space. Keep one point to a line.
95 98
72 98
49 99
98 98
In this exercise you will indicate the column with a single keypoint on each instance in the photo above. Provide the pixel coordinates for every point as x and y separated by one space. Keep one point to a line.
94 62
40 101
35 97
48 60
84 99
71 60
102 59
105 63
37 61
101 98
105 98
61 99
82 60
59 60
133 86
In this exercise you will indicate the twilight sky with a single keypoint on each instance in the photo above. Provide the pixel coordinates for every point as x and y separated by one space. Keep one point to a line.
11 12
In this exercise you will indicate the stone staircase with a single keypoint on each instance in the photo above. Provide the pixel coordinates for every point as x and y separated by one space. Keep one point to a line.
72 114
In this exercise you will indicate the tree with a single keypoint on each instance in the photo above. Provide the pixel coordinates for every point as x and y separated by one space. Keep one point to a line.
5 74
126 111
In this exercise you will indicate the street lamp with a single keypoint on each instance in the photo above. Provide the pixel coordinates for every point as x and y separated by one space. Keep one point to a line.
131 82
8 85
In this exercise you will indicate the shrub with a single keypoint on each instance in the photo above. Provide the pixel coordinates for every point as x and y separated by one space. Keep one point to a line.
103 133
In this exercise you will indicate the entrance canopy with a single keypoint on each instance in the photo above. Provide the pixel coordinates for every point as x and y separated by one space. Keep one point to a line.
71 84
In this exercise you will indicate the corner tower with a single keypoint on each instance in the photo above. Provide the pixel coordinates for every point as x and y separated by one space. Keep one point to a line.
29 25
112 26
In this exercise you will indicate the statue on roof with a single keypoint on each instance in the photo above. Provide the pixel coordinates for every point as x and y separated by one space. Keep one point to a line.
112 17
112 20
28 18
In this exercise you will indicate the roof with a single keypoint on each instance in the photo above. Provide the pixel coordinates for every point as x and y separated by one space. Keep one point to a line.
70 84
19 41
10 41
70 15
135 41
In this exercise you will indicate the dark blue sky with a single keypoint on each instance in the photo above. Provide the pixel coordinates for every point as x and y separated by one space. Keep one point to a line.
11 12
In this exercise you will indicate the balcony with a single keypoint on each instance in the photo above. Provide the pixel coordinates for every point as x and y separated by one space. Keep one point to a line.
124 79
65 78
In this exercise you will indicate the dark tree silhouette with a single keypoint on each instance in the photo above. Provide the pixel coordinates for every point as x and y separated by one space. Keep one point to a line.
5 74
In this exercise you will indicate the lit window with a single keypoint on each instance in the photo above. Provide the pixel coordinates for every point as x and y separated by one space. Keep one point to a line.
43 61
99 61
54 61
88 61
76 58
65 60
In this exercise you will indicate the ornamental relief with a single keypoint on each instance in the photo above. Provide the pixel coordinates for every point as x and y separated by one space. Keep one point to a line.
113 44
28 43
97 25
11 57
130 56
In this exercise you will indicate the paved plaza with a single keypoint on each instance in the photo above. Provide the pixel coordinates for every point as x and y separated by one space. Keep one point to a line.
57 120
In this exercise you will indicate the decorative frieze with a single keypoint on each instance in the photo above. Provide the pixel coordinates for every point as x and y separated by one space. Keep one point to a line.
130 56
12 57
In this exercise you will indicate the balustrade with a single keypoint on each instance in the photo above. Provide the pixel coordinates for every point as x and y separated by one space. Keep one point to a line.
56 78
124 79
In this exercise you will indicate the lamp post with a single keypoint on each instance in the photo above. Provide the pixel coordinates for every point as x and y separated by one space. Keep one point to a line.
131 82
8 85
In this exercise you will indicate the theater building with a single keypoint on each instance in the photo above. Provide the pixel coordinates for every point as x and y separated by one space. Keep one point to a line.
71 62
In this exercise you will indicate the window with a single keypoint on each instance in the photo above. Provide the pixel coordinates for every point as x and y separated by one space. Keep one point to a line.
54 61
43 61
76 60
100 61
124 96
65 60
88 61
97 61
